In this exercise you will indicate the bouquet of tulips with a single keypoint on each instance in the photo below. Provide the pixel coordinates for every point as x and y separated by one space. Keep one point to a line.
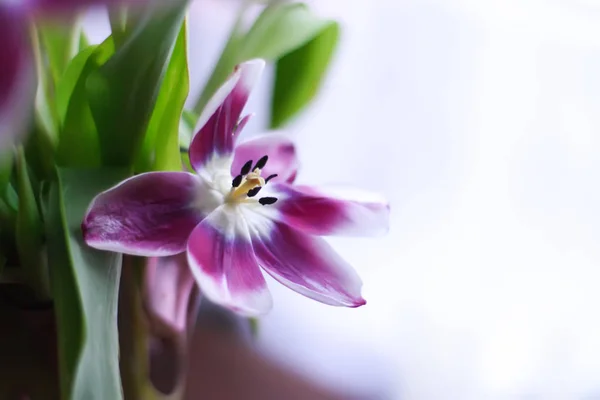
123 203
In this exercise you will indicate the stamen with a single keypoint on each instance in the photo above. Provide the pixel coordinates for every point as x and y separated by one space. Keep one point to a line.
270 177
246 167
254 192
265 201
236 181
260 164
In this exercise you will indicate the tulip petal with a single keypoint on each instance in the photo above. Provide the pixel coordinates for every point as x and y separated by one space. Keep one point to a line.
151 214
217 124
241 125
221 258
320 211
17 76
168 287
282 156
306 264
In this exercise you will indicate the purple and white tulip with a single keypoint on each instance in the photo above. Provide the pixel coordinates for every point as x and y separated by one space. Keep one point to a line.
239 213
17 69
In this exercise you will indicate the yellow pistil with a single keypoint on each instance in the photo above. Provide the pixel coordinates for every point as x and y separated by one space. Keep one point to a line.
252 180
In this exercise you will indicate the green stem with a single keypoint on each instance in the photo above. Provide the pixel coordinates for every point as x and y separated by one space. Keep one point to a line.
135 333
132 340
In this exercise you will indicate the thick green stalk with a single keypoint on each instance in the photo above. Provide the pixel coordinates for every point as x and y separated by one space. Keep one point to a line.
134 337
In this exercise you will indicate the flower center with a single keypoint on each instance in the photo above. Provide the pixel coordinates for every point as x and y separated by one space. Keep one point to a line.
249 182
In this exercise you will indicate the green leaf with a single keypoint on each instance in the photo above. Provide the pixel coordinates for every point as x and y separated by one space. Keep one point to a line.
118 20
280 29
43 137
6 167
10 197
186 129
161 145
9 202
83 41
190 118
85 285
45 112
7 192
122 93
29 232
186 132
60 41
40 151
8 218
79 145
66 85
299 75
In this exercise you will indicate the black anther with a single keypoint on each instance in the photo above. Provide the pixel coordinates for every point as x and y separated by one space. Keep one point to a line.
236 181
270 177
260 164
253 192
265 201
246 167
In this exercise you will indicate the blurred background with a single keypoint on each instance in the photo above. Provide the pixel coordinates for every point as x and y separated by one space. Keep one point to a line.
480 121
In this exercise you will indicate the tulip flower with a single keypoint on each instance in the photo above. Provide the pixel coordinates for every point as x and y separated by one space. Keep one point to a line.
239 213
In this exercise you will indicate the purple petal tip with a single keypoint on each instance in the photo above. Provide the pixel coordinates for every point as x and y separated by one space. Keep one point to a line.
359 303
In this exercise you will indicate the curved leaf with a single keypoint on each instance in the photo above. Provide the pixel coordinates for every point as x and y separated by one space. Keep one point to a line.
79 144
85 285
123 93
299 75
280 29
161 144
60 42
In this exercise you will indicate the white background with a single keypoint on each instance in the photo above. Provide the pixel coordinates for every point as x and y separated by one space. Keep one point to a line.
479 120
